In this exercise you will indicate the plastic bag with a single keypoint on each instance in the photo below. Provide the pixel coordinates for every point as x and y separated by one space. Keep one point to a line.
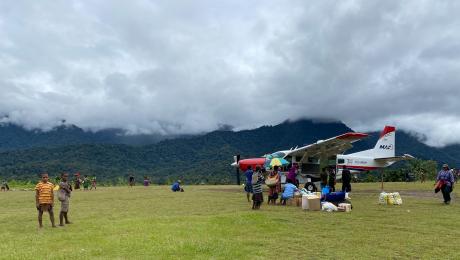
397 198
390 198
271 181
328 207
382 198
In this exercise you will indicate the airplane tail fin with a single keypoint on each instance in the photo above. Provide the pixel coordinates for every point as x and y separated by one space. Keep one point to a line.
385 146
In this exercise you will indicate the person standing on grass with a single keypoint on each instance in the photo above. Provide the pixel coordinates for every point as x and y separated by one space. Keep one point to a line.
323 177
422 176
455 174
64 195
331 179
44 199
131 180
275 188
445 180
5 186
346 179
248 186
86 183
77 181
147 181
257 181
292 175
93 183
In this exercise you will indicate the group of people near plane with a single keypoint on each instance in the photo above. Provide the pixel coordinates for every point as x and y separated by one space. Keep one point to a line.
44 196
256 178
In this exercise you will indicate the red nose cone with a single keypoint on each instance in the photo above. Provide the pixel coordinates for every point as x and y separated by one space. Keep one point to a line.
253 162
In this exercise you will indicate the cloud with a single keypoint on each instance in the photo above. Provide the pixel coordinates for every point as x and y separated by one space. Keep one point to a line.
169 67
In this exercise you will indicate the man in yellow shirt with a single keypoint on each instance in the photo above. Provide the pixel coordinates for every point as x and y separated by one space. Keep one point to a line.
44 199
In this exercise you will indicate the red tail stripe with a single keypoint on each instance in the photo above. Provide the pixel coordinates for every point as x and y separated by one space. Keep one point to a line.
386 130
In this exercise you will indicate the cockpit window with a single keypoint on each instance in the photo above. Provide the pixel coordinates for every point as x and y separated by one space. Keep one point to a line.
278 155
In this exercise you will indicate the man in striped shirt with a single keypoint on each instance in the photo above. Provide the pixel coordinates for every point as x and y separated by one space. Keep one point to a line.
44 199
257 179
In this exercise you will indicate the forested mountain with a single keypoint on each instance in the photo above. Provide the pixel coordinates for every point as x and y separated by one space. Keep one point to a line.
14 137
197 159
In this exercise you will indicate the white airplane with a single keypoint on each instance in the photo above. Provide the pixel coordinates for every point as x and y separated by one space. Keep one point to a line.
310 156
381 156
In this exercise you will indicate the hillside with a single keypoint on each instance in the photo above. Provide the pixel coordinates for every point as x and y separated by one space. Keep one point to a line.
13 137
199 159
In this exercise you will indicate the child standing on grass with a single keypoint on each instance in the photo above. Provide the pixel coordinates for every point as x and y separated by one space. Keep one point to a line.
85 183
44 199
146 181
64 194
93 183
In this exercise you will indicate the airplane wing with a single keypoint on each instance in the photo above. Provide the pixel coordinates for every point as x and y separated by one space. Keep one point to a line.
334 145
395 159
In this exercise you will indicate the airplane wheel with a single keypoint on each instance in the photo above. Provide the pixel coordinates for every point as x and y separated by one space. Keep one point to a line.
310 186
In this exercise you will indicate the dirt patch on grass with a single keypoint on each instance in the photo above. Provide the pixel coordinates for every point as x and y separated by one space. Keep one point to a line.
232 190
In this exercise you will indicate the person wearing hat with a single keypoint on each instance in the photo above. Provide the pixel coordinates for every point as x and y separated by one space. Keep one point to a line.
446 182
176 186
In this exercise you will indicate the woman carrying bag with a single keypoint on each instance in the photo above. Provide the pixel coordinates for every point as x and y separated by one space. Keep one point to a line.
273 182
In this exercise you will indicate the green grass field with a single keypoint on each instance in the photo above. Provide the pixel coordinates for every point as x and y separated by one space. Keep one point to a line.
217 222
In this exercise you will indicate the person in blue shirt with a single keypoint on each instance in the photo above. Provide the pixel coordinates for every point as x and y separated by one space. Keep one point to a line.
176 186
289 190
248 185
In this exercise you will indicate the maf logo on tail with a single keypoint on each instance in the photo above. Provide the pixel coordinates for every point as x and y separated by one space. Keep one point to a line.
386 147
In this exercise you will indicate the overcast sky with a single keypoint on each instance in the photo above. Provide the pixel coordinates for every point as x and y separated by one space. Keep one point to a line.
191 66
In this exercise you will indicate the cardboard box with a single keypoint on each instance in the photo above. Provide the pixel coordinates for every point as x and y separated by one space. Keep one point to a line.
305 201
314 203
345 207
298 201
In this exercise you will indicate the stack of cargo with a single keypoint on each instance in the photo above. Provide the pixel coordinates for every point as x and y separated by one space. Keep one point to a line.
390 198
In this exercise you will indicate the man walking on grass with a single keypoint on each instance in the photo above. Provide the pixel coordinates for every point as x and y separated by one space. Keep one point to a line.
44 199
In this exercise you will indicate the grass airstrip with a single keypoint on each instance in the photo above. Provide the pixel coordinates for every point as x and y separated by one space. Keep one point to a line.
217 222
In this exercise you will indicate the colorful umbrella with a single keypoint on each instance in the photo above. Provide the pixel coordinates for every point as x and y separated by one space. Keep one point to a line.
276 162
